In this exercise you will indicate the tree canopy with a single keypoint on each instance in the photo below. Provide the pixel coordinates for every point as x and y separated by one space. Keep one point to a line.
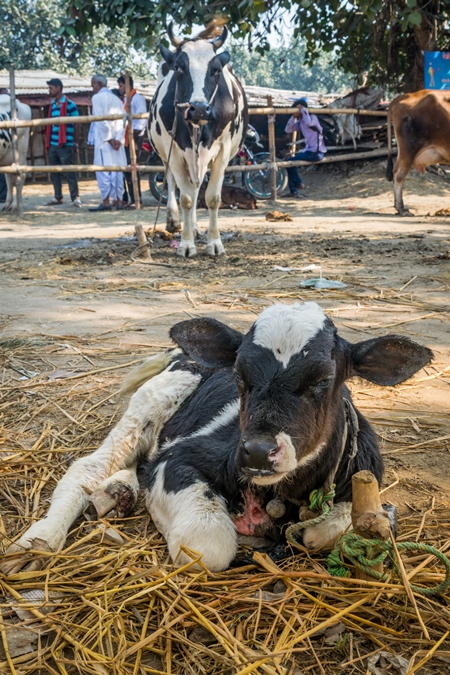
384 37
33 36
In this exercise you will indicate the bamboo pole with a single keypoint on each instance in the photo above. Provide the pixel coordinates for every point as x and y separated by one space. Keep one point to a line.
144 168
132 146
273 151
15 142
369 520
143 242
140 116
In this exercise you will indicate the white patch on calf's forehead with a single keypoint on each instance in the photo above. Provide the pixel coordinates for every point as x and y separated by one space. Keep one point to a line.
286 329
200 54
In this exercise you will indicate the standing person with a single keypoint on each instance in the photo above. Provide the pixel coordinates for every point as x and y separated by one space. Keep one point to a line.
60 141
109 136
138 105
315 148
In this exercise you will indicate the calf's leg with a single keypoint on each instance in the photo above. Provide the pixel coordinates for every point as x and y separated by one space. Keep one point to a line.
194 517
150 407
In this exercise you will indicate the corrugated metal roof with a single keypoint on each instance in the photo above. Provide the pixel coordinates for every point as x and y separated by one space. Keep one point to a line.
34 82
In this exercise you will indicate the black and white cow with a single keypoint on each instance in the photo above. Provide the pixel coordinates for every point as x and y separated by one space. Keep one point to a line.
228 422
6 150
201 101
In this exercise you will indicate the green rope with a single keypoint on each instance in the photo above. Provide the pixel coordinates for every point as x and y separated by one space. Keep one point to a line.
366 553
319 500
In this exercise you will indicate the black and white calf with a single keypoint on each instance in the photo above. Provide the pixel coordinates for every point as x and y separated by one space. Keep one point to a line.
6 150
199 117
232 422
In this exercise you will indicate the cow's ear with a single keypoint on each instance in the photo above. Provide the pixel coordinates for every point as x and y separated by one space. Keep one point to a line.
167 55
207 341
224 58
388 360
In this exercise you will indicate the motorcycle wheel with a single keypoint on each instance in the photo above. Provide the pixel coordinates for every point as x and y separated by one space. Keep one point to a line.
155 183
258 182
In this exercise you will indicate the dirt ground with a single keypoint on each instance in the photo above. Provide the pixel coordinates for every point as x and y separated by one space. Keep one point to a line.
74 302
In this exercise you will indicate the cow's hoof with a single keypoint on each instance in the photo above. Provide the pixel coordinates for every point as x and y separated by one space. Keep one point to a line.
37 538
187 249
116 496
404 212
173 226
215 248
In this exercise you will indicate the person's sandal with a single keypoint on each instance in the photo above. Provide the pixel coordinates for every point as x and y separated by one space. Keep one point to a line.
54 202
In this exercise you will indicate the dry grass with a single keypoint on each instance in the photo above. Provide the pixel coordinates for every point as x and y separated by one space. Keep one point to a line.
108 608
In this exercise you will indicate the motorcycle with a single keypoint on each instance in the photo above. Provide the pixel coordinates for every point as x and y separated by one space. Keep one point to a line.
255 182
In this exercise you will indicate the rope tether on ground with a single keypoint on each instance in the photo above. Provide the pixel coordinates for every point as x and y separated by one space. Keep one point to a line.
366 553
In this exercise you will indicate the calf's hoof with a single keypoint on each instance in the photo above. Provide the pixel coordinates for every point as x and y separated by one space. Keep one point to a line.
114 497
187 249
215 247
41 536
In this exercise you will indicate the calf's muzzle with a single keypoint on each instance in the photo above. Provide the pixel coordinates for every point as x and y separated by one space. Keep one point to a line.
257 457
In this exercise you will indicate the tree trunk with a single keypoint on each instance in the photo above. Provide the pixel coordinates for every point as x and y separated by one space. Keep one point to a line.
425 40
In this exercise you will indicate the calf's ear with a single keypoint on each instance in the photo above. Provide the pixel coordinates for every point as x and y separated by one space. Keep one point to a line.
207 341
388 360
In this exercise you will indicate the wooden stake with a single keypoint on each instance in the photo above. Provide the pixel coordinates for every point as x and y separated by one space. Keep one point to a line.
15 143
143 242
273 151
132 146
368 518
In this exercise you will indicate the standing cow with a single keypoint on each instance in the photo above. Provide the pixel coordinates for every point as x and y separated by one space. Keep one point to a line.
422 128
6 149
198 119
228 423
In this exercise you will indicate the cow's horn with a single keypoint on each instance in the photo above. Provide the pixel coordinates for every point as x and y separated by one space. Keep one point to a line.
218 41
174 40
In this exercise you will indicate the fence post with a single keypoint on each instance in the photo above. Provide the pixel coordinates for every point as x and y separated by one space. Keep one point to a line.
273 151
15 144
131 144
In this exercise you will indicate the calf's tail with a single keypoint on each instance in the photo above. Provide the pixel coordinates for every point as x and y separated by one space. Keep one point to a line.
390 162
149 368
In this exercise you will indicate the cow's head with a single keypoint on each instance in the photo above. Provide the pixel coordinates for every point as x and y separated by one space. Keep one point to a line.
290 368
198 69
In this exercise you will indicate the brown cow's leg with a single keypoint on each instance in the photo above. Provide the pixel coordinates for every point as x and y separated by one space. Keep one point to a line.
401 169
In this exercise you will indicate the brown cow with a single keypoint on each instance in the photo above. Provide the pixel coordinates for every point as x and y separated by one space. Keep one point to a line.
422 127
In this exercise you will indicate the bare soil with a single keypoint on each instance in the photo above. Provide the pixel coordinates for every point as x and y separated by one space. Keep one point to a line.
69 286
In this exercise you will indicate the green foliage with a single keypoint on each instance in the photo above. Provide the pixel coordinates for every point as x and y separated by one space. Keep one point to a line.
286 68
384 37
34 37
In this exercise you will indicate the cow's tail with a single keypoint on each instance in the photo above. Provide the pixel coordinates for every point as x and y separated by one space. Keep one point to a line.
149 368
390 162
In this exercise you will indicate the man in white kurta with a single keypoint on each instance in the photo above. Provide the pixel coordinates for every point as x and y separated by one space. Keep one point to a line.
109 150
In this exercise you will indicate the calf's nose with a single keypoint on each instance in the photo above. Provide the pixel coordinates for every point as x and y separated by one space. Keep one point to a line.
257 454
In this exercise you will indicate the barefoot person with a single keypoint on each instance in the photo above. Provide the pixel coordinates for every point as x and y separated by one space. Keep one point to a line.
315 149
109 136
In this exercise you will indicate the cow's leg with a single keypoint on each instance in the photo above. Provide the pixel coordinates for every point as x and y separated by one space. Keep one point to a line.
172 217
401 169
188 193
213 198
138 430
10 181
325 534
194 517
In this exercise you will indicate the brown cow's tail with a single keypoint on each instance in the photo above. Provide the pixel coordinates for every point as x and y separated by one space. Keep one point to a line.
390 162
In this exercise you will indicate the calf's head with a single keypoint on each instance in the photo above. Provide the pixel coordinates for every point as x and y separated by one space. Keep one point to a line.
197 69
290 368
